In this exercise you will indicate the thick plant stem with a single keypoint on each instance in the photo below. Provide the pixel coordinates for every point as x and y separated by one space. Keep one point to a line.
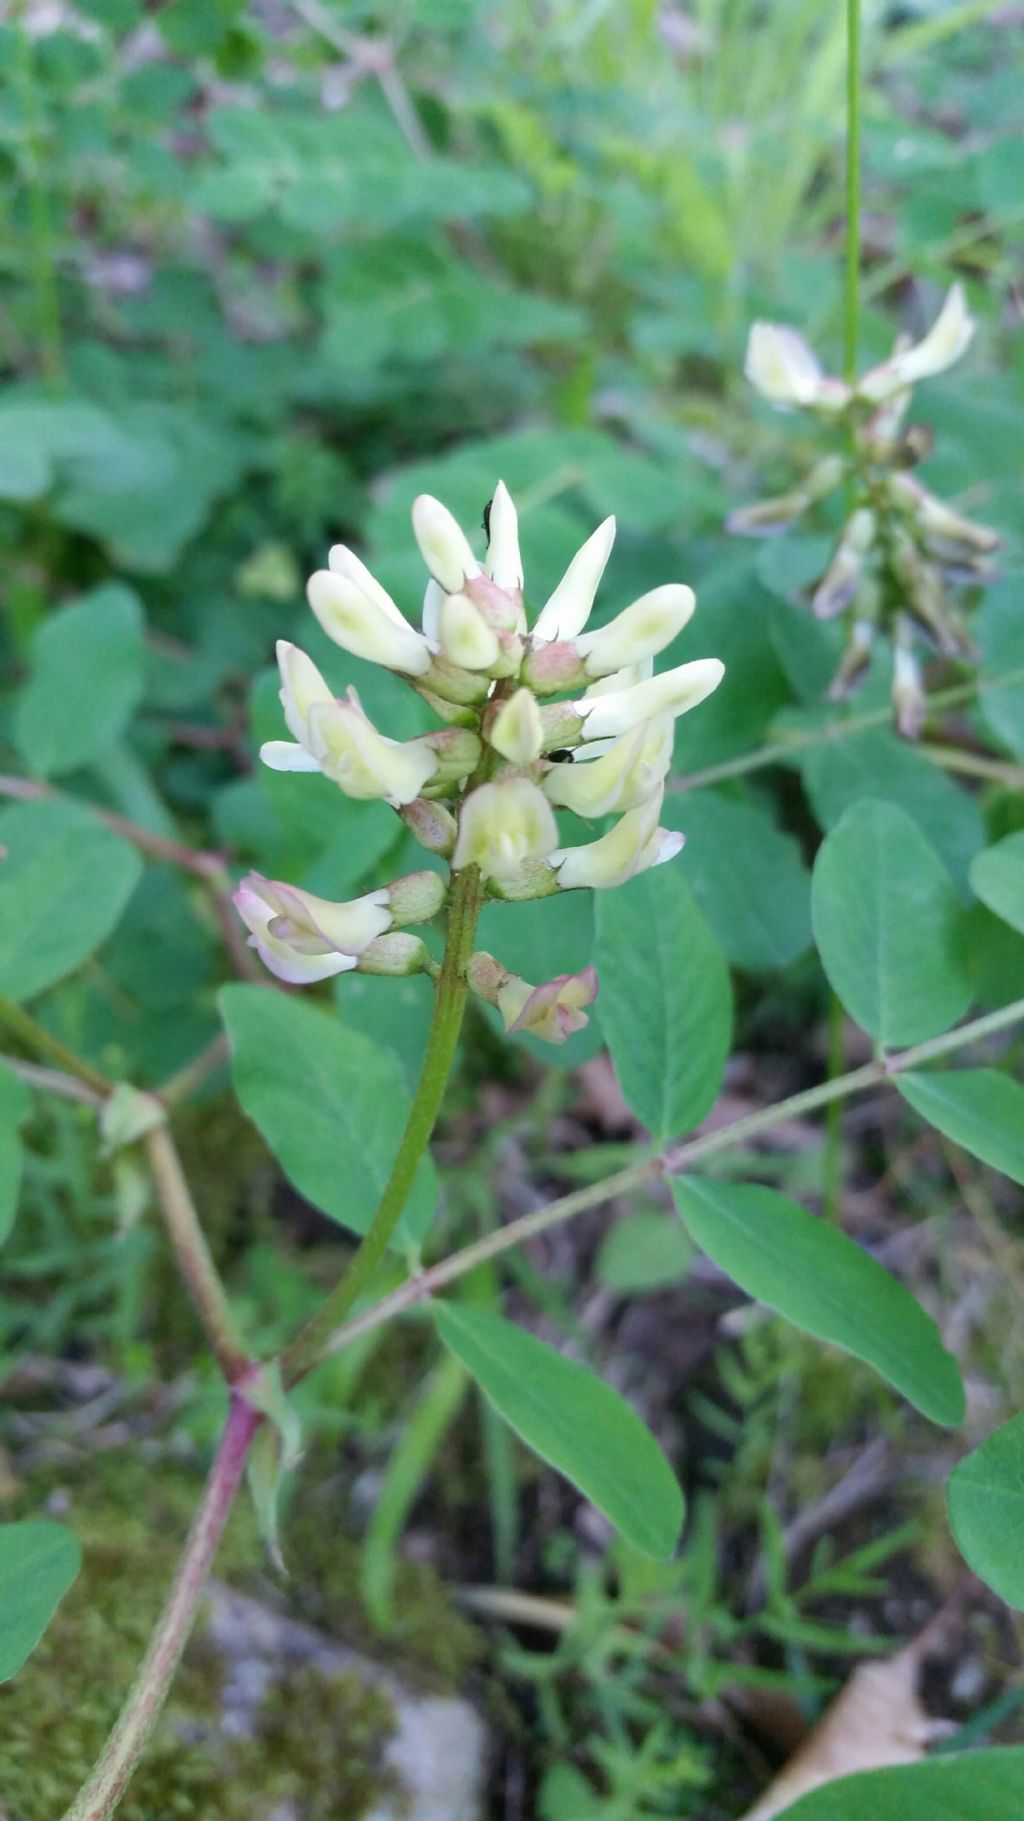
100 1795
851 290
193 1254
672 1162
449 1005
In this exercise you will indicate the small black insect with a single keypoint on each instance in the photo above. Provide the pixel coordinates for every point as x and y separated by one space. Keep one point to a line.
487 520
561 756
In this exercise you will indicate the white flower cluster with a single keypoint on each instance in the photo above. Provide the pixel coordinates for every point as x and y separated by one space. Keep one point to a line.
900 547
534 720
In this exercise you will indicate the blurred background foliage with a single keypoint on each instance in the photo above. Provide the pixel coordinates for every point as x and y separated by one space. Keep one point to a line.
269 270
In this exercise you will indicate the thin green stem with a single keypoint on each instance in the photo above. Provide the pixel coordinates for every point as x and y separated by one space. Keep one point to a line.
974 765
193 1254
44 269
176 1205
832 1162
672 1162
449 1005
851 290
100 1795
781 752
52 1081
36 1037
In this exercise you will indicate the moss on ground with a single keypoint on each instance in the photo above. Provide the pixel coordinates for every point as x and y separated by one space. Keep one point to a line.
320 1739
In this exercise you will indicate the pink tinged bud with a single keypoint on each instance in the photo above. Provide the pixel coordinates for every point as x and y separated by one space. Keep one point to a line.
622 777
466 638
343 561
635 844
568 610
416 898
550 668
396 955
672 692
785 370
486 976
433 826
949 337
504 563
517 731
552 1011
358 623
302 938
502 826
443 544
639 632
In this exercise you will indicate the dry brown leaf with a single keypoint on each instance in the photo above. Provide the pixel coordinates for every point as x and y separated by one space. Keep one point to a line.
877 1720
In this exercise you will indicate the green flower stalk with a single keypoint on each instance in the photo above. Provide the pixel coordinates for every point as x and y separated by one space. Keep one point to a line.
557 718
901 551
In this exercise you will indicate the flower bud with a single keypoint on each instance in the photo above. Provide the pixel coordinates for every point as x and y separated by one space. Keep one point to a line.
457 750
839 584
908 697
302 688
516 730
302 938
924 596
354 620
431 619
640 631
466 638
937 520
949 336
673 692
785 370
552 1011
443 544
854 661
623 777
632 846
450 684
343 561
554 666
363 762
396 955
416 898
763 518
433 826
504 563
567 611
502 826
